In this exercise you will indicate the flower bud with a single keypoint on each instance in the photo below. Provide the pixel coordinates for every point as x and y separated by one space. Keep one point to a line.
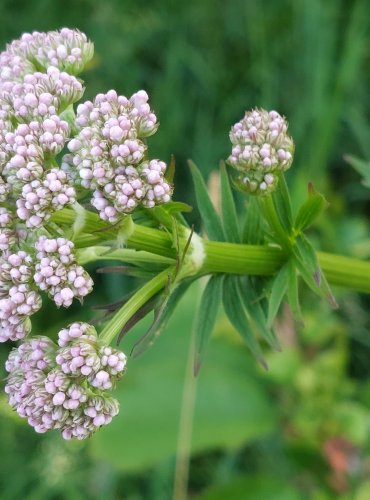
261 150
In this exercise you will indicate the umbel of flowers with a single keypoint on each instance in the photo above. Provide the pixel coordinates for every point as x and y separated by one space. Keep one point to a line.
261 150
38 88
51 268
109 154
65 386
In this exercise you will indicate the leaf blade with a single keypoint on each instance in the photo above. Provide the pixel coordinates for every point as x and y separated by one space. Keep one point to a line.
162 316
228 210
257 316
278 290
206 318
235 311
310 209
308 265
207 211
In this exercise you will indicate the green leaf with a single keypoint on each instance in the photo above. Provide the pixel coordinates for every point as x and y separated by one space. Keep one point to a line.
256 313
362 167
127 255
177 206
292 293
283 205
228 209
207 211
232 406
134 271
170 171
253 223
278 290
138 316
162 315
206 318
307 264
235 311
310 209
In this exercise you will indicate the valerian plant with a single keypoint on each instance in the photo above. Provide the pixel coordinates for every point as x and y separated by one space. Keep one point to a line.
77 185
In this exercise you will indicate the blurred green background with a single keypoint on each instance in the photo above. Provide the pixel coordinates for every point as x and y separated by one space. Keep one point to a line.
300 430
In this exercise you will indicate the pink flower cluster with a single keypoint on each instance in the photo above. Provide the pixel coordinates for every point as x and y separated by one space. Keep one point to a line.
18 298
67 49
58 274
64 387
53 270
7 233
33 129
109 154
39 198
261 150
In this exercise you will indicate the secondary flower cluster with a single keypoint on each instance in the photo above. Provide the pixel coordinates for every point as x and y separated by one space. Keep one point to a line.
67 49
109 154
261 150
37 84
64 386
52 268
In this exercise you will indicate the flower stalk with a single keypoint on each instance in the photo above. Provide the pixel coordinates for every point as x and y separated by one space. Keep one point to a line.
115 325
228 258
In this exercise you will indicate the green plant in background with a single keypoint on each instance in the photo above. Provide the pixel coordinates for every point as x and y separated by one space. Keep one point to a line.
261 289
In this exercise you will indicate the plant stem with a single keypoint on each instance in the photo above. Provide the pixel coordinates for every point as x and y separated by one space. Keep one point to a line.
258 260
115 325
186 425
274 222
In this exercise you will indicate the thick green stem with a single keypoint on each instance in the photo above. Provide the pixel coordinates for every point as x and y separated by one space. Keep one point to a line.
232 258
115 325
266 260
346 271
259 260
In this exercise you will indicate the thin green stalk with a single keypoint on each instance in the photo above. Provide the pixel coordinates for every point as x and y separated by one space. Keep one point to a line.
128 255
115 325
274 221
186 425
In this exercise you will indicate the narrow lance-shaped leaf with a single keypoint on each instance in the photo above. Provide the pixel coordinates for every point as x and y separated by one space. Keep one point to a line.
283 205
228 209
308 266
139 315
164 214
256 314
235 311
206 317
163 313
292 292
278 290
126 270
310 209
362 167
170 171
209 215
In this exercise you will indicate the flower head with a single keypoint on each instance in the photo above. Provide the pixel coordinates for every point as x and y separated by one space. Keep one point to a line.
57 272
109 154
67 49
261 149
48 386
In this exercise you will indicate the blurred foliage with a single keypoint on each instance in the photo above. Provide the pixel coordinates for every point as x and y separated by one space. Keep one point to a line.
301 429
